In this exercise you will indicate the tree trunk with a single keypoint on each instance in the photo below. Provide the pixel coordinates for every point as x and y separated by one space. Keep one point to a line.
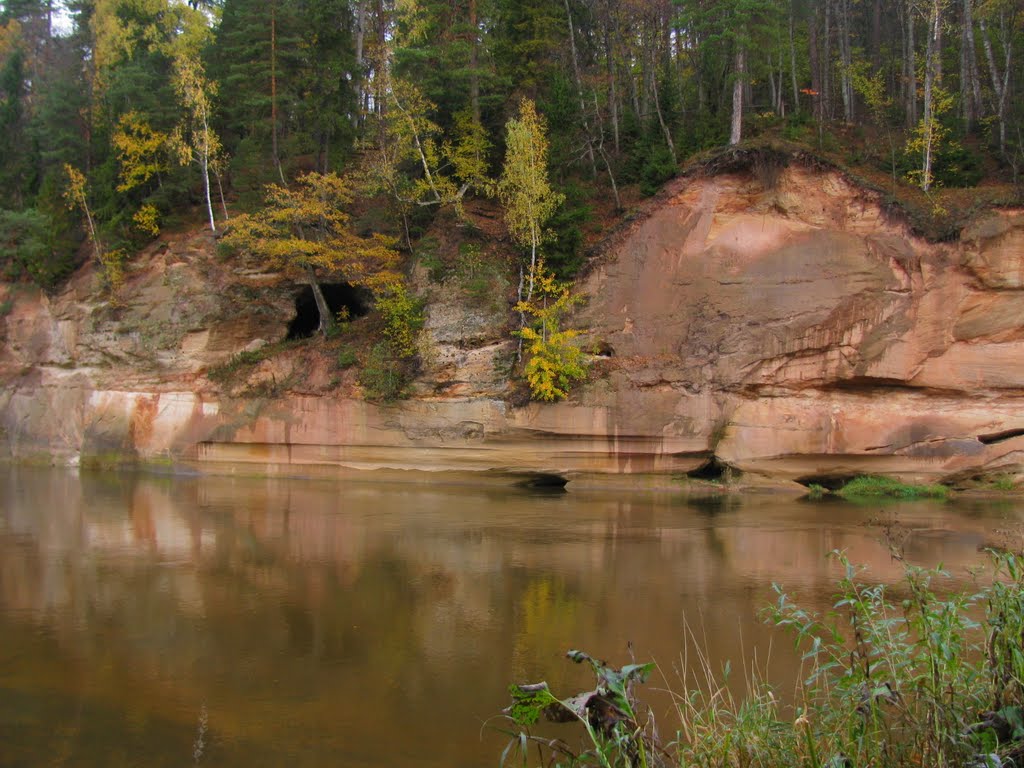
599 147
220 191
815 61
661 121
474 63
273 91
579 93
845 60
970 87
826 63
792 62
932 77
910 66
1000 84
326 318
876 34
360 68
204 164
613 96
736 132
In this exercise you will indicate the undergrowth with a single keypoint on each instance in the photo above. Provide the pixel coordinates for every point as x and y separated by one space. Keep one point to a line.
891 677
873 486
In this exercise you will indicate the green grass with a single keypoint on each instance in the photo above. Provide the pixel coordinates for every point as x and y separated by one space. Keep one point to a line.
815 491
870 486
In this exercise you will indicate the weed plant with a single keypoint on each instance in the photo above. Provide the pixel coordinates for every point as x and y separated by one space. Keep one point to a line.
871 486
891 677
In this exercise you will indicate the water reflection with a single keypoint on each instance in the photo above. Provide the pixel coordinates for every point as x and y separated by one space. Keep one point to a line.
355 624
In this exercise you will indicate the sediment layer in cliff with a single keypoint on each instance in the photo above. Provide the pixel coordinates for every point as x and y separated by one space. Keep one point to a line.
777 324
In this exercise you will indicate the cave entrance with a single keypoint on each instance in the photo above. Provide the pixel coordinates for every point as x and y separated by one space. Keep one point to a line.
339 296
713 470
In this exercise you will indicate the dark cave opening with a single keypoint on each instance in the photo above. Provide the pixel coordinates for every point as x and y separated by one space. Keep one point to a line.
998 437
339 296
544 481
713 470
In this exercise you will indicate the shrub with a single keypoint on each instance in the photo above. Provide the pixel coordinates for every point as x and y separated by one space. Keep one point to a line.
347 357
384 377
242 361
658 168
403 319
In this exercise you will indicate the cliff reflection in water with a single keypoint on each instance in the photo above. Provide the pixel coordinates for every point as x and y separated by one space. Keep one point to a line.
364 624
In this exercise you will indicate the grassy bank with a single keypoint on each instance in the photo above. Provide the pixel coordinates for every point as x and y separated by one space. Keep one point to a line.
921 679
870 486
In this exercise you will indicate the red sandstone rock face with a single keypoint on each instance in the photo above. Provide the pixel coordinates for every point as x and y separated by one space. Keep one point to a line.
830 341
793 332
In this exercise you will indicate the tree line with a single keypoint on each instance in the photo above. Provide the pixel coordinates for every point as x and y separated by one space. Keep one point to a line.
127 113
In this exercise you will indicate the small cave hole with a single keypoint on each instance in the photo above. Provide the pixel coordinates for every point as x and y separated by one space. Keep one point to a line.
339 296
604 349
544 481
711 470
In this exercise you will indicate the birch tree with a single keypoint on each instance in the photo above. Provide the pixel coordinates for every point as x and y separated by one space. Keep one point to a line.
524 189
194 137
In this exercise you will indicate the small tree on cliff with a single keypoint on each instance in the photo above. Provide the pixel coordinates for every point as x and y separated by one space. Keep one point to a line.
304 229
556 360
524 189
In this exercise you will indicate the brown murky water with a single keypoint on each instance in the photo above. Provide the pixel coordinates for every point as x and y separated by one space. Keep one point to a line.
227 622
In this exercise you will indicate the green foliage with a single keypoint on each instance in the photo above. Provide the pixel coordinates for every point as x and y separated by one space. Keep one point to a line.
427 251
895 683
385 376
305 228
403 319
616 736
347 357
815 491
563 255
657 168
524 189
238 365
28 249
928 139
1005 483
870 486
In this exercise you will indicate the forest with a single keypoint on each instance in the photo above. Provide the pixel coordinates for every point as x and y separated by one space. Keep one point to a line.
124 117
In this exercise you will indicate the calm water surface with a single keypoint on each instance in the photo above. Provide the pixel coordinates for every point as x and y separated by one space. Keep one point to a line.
227 622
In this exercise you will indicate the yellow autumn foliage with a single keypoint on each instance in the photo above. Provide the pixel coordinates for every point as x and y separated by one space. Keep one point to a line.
555 360
305 227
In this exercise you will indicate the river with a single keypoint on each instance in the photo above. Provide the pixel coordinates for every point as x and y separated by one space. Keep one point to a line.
222 621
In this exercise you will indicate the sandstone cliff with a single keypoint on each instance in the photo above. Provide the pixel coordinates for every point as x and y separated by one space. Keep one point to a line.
780 325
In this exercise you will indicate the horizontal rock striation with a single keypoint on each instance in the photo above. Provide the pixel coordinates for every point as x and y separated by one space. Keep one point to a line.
793 331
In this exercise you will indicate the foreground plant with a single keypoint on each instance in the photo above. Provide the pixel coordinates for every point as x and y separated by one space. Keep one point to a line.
921 679
615 735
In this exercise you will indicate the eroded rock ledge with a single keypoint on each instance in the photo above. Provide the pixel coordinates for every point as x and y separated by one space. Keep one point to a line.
794 332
